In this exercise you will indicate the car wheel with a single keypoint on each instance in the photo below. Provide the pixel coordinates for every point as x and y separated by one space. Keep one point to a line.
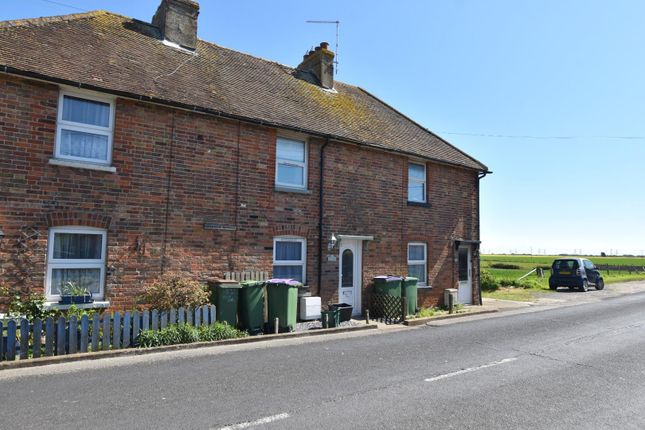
572 288
553 287
600 284
585 286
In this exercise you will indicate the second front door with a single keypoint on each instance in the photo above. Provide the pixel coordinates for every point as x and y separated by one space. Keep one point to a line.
350 274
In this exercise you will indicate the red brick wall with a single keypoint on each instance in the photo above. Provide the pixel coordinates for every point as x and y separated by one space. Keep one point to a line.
176 170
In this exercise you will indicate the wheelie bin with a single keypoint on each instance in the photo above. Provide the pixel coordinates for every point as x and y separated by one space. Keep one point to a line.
282 297
409 291
251 306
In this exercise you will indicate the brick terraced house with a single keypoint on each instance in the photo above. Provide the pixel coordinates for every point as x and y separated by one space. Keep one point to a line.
129 149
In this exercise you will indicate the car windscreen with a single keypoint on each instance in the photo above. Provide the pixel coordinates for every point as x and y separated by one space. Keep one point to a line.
565 265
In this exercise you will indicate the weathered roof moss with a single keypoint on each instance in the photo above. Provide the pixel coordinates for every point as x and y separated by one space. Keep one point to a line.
126 56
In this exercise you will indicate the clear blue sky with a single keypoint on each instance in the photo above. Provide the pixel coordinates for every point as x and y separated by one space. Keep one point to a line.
549 94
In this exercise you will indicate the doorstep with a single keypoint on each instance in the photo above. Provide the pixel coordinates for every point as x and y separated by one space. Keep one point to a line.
43 361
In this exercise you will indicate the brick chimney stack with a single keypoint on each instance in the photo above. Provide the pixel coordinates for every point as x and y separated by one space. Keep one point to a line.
320 64
177 20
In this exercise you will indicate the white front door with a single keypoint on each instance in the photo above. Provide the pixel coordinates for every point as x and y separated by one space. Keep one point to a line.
350 274
465 275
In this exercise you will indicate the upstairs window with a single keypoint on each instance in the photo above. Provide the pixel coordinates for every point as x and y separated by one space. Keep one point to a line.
76 255
418 262
291 163
84 128
289 258
416 182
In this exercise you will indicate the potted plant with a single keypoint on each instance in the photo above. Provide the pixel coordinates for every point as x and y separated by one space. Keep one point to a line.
71 293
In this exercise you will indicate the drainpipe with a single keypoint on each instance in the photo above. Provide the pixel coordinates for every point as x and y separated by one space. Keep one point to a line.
321 194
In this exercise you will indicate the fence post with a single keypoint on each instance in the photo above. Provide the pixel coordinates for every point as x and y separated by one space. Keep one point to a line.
164 319
212 311
49 336
116 331
60 337
181 315
85 329
105 344
11 340
146 320
205 315
24 338
73 333
126 329
96 331
155 320
38 332
198 315
136 326
172 318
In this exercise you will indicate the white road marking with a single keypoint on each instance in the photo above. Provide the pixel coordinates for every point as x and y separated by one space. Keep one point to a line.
471 369
248 424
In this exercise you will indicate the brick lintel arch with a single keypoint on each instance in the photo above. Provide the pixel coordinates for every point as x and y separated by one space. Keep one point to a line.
85 219
290 230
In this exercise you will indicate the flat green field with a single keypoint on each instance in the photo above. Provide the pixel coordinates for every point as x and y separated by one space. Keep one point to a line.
536 286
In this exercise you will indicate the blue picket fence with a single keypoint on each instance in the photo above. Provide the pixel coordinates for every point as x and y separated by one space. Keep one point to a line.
23 339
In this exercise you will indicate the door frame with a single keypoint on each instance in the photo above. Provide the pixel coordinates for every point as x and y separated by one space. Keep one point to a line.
469 282
356 246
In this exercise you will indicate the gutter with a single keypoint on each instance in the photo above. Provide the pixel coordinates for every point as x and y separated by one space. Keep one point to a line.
321 195
219 114
481 176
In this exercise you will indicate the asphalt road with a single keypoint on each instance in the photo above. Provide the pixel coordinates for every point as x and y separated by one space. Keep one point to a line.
570 367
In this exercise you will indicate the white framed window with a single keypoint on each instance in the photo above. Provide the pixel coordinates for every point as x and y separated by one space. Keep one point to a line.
291 163
418 262
84 128
290 258
77 255
416 182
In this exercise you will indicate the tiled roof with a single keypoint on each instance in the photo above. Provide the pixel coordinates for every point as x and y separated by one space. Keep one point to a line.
125 56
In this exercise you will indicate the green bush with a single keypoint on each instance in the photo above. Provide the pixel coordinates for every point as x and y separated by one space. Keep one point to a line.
28 305
488 281
174 291
504 266
184 333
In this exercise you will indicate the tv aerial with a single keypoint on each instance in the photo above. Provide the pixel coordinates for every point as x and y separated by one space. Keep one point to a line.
337 23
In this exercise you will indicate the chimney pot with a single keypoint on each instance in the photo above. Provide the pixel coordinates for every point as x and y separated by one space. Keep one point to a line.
324 45
177 21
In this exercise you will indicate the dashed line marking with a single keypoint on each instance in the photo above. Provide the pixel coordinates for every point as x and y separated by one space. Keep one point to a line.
471 369
249 424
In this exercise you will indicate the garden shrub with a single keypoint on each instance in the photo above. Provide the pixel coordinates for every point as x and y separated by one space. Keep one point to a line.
184 333
504 266
488 281
173 291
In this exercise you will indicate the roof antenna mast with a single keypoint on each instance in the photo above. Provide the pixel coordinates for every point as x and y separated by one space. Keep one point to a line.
337 25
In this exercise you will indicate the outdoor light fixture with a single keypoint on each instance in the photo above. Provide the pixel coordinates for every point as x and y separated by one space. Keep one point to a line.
332 242
1 237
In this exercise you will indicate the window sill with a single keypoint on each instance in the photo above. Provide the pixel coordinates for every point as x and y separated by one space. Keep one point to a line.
424 287
419 204
94 305
81 165
281 189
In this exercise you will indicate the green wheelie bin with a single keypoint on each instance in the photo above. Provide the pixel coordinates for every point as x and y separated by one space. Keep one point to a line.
282 297
388 285
225 294
251 306
409 290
